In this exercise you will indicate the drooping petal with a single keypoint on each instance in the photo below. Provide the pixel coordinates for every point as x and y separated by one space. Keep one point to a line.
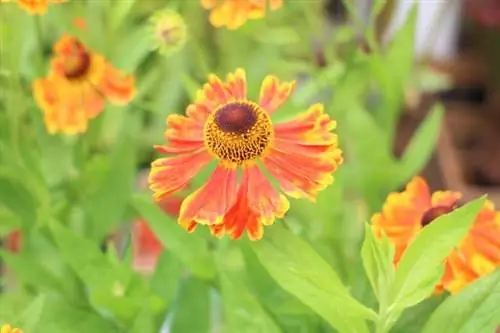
183 134
118 87
146 247
208 204
236 84
171 174
304 154
273 93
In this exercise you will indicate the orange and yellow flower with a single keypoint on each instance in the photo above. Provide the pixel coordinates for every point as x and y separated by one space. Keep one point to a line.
9 329
223 125
405 214
234 13
77 87
146 246
35 7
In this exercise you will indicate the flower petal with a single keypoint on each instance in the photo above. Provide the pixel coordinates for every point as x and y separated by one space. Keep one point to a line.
117 86
171 174
273 93
209 203
236 84
183 134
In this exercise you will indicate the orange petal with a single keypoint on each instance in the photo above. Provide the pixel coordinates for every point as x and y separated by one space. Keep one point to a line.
215 91
34 7
457 273
275 4
146 247
171 174
273 93
240 218
183 134
419 192
117 86
236 84
209 203
445 198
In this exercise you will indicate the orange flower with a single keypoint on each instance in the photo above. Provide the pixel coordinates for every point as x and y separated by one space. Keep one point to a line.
78 84
35 7
223 125
146 246
9 329
14 240
234 13
405 214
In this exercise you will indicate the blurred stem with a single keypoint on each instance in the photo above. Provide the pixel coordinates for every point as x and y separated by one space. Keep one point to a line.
39 33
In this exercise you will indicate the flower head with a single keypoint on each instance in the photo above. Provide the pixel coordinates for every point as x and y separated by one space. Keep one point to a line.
234 13
405 214
9 329
222 125
35 7
169 31
77 87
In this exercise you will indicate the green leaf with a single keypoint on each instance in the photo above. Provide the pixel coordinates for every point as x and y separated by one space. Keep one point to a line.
31 272
118 12
165 280
377 256
474 310
243 312
31 316
106 206
194 302
303 273
18 199
422 145
422 260
144 322
191 249
413 319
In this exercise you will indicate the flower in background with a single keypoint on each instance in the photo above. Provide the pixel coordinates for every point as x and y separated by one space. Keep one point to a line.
234 13
486 12
13 242
223 125
405 214
77 87
9 329
146 246
35 7
169 31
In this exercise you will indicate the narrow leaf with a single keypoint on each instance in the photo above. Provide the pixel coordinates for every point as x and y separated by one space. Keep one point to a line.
303 273
194 302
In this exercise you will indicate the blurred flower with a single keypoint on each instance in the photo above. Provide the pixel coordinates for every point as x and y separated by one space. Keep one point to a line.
234 13
80 23
169 31
35 7
9 329
223 125
13 243
146 246
486 12
405 214
77 87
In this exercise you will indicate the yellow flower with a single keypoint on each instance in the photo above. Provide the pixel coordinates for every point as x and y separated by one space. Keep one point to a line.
222 125
9 329
35 7
405 214
169 31
234 13
77 87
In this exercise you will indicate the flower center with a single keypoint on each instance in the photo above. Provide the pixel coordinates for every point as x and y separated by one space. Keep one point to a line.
77 64
238 132
435 212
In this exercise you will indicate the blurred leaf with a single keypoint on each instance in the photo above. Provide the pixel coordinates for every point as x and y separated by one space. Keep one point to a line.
421 146
165 280
144 322
377 258
303 273
193 302
276 35
31 272
243 312
31 316
10 221
189 248
107 205
18 199
424 256
132 50
474 310
414 318
118 13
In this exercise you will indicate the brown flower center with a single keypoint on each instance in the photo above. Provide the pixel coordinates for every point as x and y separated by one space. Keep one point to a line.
77 64
238 132
435 212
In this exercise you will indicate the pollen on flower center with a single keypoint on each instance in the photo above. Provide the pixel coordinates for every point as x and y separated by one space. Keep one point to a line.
76 65
435 212
238 132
